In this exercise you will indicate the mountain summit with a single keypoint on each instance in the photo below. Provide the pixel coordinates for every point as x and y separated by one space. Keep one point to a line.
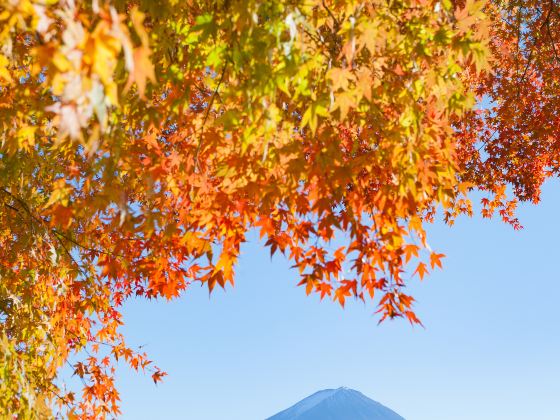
337 404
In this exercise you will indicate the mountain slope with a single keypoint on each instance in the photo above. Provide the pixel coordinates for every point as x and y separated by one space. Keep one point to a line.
337 404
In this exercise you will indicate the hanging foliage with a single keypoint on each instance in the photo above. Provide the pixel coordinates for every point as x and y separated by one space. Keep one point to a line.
140 141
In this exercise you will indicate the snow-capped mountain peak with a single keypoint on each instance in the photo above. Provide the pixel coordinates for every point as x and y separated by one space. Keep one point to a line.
337 404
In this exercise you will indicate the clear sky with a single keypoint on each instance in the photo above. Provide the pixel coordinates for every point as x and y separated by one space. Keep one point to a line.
490 349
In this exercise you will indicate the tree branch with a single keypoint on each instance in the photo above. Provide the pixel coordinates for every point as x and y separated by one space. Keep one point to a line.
210 104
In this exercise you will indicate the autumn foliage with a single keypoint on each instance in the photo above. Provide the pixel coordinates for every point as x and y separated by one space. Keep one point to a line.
141 140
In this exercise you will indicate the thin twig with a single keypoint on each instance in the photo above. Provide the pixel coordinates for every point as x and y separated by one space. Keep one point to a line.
552 42
97 251
210 104
529 59
333 17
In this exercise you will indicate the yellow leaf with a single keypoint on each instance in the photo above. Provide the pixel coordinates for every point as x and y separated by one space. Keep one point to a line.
102 51
4 72
143 69
344 101
341 78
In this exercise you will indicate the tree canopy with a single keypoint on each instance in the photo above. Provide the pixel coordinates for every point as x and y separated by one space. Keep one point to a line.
141 140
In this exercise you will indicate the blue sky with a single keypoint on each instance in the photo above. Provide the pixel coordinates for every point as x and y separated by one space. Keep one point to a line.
490 349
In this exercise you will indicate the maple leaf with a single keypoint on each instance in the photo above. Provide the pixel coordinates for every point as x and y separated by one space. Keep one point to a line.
143 69
435 260
421 270
410 251
340 78
157 376
4 71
